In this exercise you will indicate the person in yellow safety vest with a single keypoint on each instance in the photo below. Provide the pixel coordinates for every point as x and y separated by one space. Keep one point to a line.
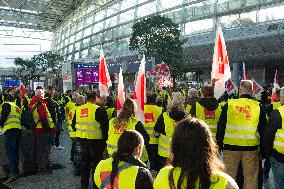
110 107
151 114
91 130
166 124
269 109
274 105
240 135
80 100
274 142
193 97
42 131
208 109
192 168
11 128
125 169
126 120
18 101
70 105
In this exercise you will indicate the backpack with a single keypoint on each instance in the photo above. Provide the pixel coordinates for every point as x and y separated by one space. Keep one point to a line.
27 118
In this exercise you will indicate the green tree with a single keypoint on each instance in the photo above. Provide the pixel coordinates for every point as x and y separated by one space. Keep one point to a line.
158 36
49 63
26 69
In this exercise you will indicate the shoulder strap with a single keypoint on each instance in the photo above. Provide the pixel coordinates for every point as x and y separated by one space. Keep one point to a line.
120 168
171 179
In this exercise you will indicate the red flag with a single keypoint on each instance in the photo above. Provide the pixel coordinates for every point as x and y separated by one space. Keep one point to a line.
120 93
244 72
104 79
257 88
139 92
275 87
220 66
230 87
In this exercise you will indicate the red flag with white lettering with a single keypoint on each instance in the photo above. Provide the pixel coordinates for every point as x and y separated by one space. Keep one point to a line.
104 79
139 92
220 67
120 93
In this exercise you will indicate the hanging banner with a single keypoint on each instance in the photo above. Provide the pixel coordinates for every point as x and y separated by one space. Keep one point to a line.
67 76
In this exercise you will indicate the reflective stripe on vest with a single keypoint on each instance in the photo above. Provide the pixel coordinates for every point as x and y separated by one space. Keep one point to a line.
211 118
113 134
151 115
86 125
14 118
165 140
218 179
125 178
242 122
278 143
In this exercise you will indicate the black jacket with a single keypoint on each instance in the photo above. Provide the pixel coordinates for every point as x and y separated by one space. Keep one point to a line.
101 118
274 123
192 102
54 110
6 109
221 127
174 114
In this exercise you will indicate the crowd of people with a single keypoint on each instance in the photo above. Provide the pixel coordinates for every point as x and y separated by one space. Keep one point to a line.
188 138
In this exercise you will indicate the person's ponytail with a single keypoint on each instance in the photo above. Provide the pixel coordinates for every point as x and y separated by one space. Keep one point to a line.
114 170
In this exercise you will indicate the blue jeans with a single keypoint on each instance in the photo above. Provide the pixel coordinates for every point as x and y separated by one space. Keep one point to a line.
278 173
12 144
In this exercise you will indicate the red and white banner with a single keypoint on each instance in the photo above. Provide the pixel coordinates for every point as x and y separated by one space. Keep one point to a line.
230 87
275 87
244 72
257 88
120 93
104 79
140 91
220 67
160 70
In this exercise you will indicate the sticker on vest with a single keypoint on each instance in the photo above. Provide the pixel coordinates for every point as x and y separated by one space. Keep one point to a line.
105 175
18 110
67 110
121 128
70 116
84 112
149 117
209 114
244 110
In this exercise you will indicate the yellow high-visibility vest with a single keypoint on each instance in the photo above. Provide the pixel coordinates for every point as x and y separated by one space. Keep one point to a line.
164 144
114 134
86 125
278 143
211 118
70 105
151 115
126 178
109 111
218 179
36 118
188 108
242 122
14 119
276 105
70 117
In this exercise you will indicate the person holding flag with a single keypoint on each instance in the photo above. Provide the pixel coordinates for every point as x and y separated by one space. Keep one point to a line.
275 87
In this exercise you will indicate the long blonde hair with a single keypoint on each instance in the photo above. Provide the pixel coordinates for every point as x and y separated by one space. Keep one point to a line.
127 111
177 102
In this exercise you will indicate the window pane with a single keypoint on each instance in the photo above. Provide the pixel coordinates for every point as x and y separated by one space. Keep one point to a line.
147 9
198 26
127 16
